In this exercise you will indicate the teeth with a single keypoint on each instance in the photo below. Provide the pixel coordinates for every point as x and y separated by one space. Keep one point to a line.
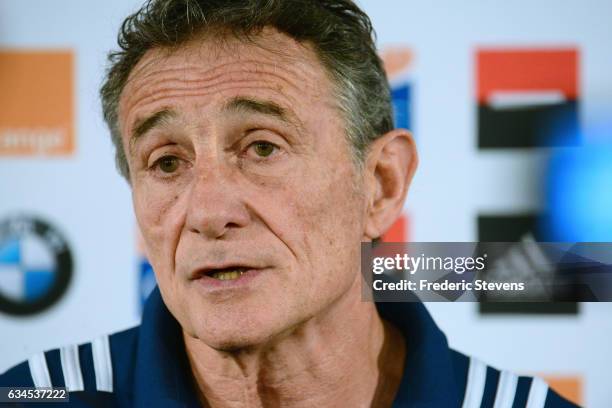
228 275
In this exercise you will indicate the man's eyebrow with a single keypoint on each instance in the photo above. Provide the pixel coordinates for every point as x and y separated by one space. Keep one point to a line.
263 107
143 125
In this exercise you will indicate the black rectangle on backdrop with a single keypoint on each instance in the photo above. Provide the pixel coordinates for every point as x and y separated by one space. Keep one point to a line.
525 127
514 228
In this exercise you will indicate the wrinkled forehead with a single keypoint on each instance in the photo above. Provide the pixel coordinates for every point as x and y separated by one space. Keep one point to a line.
270 59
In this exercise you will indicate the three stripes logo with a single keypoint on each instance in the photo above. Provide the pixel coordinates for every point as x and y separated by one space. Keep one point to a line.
526 262
527 97
523 261
35 265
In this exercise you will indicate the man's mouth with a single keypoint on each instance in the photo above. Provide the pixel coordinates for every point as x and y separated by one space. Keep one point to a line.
227 273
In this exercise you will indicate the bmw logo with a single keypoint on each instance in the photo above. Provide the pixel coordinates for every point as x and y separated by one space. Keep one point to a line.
35 265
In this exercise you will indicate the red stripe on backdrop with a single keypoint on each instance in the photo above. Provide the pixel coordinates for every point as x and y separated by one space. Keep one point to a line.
532 69
398 231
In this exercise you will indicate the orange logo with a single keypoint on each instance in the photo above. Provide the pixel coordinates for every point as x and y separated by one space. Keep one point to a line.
397 61
36 103
567 387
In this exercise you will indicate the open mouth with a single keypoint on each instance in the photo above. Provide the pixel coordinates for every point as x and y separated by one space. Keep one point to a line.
230 273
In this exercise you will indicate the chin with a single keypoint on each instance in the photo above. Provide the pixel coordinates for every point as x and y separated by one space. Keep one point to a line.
237 331
232 345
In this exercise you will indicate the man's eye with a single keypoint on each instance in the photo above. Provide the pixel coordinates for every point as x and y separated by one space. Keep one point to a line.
263 149
168 164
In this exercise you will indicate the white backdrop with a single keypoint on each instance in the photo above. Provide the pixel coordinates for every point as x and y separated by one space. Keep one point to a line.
82 194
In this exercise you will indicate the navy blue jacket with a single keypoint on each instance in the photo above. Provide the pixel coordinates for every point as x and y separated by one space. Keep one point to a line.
147 367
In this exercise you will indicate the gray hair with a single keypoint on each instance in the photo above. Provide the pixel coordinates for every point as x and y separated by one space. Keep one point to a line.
340 33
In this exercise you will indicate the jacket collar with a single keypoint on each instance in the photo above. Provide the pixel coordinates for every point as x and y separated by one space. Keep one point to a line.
163 376
429 376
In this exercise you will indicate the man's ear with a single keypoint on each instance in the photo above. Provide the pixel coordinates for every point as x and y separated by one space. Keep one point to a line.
390 165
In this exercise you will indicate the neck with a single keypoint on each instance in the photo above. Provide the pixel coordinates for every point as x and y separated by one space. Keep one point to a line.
344 356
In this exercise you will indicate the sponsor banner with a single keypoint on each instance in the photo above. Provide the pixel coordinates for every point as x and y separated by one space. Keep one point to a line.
520 228
36 265
37 99
527 271
527 97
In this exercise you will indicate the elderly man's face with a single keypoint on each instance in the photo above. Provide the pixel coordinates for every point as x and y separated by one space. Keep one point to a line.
243 185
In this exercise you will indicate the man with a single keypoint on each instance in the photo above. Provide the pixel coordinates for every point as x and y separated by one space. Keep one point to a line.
256 136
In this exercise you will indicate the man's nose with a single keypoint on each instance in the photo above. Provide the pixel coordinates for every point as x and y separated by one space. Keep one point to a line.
216 204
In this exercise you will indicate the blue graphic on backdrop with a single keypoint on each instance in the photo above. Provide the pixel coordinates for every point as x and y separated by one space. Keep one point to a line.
146 281
35 265
398 62
401 96
579 195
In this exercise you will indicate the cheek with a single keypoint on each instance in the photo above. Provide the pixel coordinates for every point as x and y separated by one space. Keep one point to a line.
158 223
334 205
330 213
